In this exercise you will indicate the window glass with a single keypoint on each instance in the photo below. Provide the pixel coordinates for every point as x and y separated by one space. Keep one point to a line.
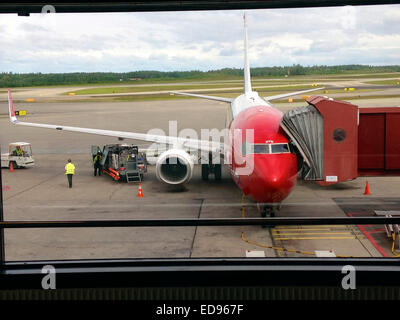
280 148
27 151
13 151
261 149
99 94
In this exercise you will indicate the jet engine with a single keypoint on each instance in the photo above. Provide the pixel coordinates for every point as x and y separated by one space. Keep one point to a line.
174 166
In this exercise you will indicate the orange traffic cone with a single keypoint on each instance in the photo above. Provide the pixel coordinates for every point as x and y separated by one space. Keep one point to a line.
11 167
140 192
367 191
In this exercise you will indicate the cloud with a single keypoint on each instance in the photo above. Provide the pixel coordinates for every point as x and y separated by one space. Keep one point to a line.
200 40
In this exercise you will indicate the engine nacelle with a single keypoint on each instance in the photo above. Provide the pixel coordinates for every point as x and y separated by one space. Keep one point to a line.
174 166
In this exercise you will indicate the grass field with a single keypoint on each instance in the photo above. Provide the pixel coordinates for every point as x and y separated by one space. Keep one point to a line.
160 90
222 83
386 82
219 78
166 96
230 87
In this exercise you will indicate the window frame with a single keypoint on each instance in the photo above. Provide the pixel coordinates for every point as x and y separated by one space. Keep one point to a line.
248 148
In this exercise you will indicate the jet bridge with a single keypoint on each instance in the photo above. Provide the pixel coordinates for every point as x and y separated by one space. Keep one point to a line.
325 134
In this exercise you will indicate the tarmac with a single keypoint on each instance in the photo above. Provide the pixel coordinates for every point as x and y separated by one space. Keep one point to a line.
42 193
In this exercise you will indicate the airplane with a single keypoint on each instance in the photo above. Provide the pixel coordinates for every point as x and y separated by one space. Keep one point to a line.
274 161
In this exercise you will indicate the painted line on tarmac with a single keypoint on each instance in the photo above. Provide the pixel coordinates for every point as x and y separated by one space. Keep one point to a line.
315 238
296 229
310 226
368 235
310 233
195 230
34 186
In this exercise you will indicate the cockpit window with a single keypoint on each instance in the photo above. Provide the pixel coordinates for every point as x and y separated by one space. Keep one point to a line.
265 148
280 148
261 149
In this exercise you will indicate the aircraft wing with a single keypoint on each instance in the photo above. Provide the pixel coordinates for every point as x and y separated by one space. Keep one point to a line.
285 95
228 100
203 145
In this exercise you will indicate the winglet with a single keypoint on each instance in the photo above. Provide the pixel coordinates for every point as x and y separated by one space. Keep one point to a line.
11 109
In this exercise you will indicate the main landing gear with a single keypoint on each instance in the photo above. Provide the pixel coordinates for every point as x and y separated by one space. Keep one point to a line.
215 169
210 168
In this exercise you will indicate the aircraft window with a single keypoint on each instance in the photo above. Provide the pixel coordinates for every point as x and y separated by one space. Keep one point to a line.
261 149
270 148
280 148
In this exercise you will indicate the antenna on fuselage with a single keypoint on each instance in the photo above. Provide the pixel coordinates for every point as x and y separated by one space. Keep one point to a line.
247 82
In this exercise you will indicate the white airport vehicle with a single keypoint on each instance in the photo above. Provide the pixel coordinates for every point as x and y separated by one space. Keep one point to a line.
19 154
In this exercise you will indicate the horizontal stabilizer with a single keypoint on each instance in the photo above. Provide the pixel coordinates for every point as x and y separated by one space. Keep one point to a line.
228 100
285 95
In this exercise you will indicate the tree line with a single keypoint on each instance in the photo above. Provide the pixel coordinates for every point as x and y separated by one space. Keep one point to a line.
9 79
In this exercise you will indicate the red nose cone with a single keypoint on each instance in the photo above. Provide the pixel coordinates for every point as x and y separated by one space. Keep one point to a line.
273 177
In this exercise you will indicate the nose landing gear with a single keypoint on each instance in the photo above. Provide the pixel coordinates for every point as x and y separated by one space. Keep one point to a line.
267 211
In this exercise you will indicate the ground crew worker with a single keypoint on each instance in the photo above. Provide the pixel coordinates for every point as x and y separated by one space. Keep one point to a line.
19 151
97 163
69 171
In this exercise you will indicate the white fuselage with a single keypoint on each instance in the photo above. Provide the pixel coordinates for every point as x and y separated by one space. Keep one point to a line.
247 100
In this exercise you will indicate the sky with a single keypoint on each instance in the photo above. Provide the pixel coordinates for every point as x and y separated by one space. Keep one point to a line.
199 40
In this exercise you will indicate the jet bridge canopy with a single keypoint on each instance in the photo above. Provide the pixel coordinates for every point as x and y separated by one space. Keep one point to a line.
326 134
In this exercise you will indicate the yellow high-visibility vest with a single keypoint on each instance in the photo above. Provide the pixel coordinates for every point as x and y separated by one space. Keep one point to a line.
97 159
69 168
